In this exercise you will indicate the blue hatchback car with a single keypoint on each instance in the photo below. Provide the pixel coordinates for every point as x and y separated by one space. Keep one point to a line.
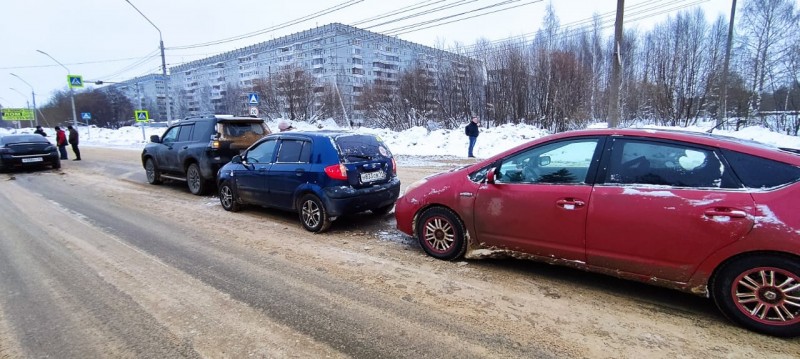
320 175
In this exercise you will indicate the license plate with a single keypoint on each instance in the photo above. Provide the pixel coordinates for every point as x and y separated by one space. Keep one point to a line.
372 176
32 159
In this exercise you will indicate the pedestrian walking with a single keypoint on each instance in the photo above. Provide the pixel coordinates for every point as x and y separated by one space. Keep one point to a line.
61 142
73 141
40 131
472 132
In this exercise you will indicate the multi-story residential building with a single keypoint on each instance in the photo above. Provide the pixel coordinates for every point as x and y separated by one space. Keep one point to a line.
342 56
147 93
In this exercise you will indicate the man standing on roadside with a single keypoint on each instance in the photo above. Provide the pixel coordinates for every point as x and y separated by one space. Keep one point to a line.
73 140
61 142
472 132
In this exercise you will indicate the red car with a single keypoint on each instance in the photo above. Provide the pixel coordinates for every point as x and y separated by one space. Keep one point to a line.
700 213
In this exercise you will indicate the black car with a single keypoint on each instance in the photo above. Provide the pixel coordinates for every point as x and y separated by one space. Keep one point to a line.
18 151
195 148
320 175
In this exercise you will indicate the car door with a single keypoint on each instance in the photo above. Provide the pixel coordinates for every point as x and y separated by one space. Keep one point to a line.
663 207
538 201
251 176
290 170
167 154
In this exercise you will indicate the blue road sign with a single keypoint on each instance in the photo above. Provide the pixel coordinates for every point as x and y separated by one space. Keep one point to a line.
86 116
253 98
75 81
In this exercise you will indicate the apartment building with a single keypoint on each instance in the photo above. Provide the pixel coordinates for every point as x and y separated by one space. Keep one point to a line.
339 55
146 93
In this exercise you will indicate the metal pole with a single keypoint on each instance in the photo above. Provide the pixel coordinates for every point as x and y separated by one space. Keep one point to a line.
71 92
33 95
163 64
27 104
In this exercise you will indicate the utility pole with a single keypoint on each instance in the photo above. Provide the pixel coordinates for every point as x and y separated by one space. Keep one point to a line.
33 95
71 91
722 113
616 69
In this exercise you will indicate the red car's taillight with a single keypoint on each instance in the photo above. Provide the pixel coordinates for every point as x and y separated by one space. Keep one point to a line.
338 172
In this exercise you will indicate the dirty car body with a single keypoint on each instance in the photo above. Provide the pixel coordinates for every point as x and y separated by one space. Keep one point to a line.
321 175
698 213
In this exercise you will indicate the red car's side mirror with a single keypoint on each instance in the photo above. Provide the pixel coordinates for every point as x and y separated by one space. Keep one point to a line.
490 176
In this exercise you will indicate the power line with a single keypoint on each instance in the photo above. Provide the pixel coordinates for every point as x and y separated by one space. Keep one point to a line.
326 11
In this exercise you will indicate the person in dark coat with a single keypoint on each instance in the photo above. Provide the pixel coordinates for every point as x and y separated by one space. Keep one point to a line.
472 132
61 142
73 140
40 131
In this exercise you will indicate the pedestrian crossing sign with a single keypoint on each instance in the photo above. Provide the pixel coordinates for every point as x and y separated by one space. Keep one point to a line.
75 81
141 116
253 98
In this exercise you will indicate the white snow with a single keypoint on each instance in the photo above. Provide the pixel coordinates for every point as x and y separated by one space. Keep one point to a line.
416 145
636 192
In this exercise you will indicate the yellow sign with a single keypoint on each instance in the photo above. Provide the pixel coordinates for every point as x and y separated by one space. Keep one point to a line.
17 114
141 116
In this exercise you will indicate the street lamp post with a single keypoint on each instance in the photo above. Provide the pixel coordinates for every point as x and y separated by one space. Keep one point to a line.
71 92
33 95
163 63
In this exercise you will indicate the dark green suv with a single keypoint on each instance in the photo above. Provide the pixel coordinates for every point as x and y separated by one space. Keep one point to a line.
195 148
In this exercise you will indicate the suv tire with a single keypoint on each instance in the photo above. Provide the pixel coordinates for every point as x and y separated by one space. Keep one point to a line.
152 172
194 178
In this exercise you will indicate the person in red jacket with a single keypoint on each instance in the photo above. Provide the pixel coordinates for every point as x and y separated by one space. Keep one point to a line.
61 142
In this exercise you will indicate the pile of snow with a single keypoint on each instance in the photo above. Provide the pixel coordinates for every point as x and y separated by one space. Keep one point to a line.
417 141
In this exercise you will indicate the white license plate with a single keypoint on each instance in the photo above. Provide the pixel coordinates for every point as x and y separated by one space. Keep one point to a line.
32 159
372 176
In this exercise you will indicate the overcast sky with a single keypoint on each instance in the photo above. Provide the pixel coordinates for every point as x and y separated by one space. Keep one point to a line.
108 40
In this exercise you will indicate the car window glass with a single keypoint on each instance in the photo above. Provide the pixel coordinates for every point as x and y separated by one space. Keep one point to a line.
560 162
238 129
185 133
668 164
200 132
290 151
261 153
359 148
761 173
171 135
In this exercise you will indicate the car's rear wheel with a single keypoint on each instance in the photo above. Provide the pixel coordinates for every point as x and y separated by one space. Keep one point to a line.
761 292
380 211
56 164
194 178
313 214
441 233
153 174
227 197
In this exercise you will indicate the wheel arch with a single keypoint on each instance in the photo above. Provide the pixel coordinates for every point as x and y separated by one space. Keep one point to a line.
740 256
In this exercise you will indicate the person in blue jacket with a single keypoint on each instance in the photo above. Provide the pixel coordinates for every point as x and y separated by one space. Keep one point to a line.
472 132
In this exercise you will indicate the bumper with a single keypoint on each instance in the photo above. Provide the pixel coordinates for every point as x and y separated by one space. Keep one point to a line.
348 200
45 159
404 215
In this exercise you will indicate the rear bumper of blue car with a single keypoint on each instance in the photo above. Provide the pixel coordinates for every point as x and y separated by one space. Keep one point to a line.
342 200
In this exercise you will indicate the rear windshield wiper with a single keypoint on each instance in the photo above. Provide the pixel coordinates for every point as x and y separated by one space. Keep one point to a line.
366 157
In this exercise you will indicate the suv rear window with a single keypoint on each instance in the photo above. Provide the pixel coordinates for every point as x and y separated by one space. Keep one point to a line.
357 148
238 129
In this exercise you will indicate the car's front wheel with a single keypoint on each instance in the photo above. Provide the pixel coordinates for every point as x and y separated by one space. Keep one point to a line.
441 233
313 214
194 178
227 197
152 172
761 292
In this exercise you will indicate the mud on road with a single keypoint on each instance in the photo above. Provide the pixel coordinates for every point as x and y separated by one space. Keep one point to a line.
95 262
